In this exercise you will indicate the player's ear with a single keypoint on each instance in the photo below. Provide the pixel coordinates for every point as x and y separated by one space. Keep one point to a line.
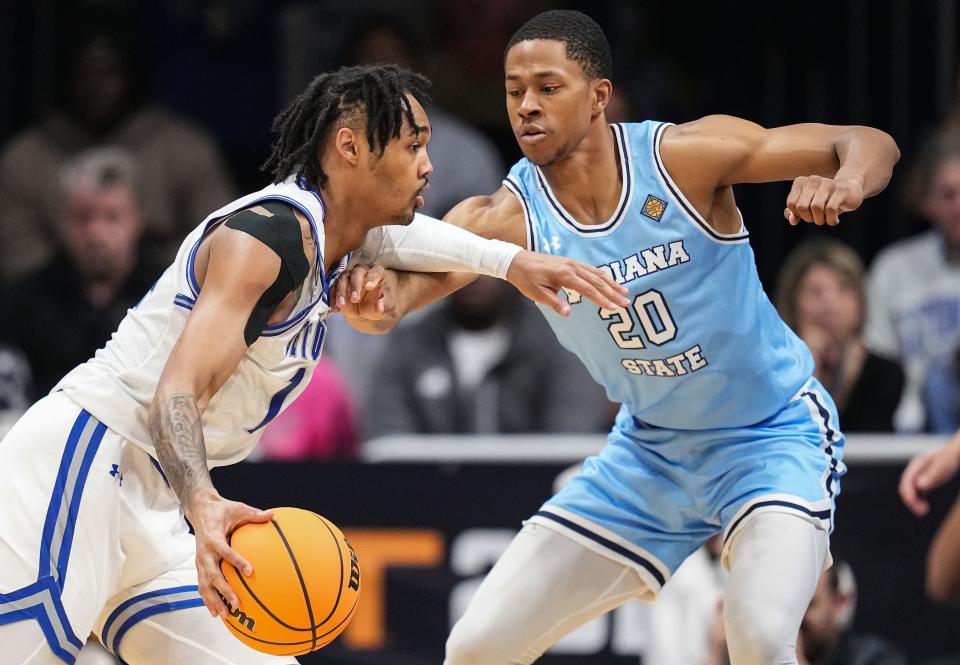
346 143
602 89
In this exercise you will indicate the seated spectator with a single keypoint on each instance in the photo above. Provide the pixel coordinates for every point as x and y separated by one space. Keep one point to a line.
15 387
914 287
183 177
826 637
483 361
320 424
820 294
68 309
941 394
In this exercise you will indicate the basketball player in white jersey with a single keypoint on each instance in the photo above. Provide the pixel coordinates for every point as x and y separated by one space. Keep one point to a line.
723 429
96 477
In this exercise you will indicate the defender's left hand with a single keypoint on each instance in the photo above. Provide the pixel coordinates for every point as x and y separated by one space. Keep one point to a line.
541 276
821 200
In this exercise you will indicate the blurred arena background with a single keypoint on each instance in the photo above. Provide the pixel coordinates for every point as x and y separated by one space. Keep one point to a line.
428 473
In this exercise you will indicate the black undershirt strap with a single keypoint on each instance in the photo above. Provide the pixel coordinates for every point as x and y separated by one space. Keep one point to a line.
282 234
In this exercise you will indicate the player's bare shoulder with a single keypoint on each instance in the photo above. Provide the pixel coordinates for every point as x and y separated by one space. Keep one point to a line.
498 216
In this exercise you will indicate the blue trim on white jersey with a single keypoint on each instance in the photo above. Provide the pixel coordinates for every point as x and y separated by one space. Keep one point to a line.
41 600
685 205
185 301
276 402
285 325
623 204
318 339
142 606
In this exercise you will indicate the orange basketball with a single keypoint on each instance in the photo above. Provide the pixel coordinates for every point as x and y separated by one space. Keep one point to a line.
304 587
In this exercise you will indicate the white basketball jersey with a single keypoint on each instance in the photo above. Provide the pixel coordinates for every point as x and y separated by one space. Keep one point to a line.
118 384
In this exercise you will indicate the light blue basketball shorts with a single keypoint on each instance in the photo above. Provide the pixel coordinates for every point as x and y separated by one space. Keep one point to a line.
653 496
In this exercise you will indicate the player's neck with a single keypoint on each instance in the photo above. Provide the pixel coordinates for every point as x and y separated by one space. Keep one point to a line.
345 225
588 182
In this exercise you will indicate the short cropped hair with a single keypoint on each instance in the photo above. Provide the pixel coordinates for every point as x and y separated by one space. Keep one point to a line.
580 35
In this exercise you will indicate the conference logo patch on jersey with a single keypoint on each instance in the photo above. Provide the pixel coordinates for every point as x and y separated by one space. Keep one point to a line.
654 207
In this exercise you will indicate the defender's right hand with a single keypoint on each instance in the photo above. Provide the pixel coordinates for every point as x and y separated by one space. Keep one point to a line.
541 276
214 519
926 473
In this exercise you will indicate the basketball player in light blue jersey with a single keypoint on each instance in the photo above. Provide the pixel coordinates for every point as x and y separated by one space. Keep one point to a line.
722 429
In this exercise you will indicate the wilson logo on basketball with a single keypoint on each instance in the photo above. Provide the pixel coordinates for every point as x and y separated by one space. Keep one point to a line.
354 568
240 616
243 619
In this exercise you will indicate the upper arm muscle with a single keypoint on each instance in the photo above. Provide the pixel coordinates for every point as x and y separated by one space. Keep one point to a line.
238 271
719 151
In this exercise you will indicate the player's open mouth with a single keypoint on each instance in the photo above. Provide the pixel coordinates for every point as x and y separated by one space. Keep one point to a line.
532 134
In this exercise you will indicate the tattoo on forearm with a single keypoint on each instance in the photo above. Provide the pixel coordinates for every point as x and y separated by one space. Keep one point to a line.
178 438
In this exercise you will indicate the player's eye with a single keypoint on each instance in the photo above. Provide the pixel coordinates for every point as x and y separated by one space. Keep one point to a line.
513 93
549 89
416 146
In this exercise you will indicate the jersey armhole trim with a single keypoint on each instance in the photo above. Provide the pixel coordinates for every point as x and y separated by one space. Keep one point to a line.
527 218
325 280
740 236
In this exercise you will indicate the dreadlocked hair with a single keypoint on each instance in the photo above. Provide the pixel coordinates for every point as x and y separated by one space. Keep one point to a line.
373 94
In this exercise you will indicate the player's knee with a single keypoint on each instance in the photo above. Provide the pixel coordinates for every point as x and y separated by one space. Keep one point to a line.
472 644
758 634
466 647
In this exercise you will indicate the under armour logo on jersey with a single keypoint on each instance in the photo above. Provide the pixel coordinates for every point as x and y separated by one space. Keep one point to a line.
115 472
554 243
654 207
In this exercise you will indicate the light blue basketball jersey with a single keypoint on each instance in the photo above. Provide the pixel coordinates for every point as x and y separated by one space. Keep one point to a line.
700 346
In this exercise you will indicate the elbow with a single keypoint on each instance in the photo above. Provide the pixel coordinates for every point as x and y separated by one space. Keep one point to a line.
892 147
886 143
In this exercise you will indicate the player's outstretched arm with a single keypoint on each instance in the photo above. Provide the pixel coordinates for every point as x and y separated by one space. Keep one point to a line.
482 235
833 168
239 270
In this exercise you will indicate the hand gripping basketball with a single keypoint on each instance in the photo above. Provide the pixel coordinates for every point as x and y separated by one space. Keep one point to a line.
304 587
214 519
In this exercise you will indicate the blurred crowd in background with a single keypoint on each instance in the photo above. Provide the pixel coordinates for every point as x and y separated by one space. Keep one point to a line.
139 121
123 126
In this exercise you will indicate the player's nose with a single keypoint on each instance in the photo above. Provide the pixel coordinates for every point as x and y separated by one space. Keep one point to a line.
426 168
530 105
